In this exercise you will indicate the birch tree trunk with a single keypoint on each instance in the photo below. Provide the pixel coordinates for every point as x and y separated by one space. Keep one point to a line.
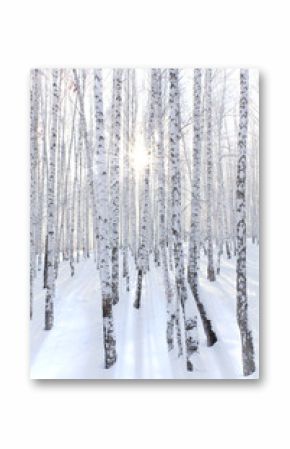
34 97
134 106
142 256
194 243
44 115
89 158
40 197
143 247
242 300
221 207
59 181
68 205
79 190
115 181
126 150
190 324
50 291
72 212
169 290
104 235
210 266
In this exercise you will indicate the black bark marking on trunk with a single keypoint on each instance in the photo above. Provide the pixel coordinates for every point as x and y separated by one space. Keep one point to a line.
115 280
137 301
108 333
45 265
207 325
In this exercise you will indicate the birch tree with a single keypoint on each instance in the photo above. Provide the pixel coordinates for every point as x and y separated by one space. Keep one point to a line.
115 181
104 236
143 245
50 291
210 266
242 300
142 254
126 170
61 150
88 154
132 173
190 323
194 243
34 97
169 289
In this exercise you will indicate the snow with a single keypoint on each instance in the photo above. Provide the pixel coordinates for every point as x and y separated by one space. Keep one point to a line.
73 348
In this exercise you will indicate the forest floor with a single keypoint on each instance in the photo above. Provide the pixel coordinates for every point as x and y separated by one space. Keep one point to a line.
73 348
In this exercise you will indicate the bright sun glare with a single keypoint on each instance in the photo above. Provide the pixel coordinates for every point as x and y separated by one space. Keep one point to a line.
140 157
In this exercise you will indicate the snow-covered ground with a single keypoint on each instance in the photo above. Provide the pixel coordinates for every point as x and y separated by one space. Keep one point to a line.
73 348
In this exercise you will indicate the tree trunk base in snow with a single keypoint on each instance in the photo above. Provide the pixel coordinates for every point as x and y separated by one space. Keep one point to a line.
210 334
228 251
191 341
178 332
39 262
211 274
170 333
72 271
110 362
157 257
56 270
137 301
220 253
115 275
248 353
48 317
126 271
48 326
108 333
207 326
127 283
189 365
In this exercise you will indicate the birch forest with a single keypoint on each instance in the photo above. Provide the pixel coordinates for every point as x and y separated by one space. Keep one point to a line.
144 223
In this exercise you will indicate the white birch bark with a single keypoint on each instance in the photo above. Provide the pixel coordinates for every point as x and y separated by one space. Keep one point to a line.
115 181
68 203
34 97
169 289
126 197
88 153
39 194
50 291
143 247
242 300
42 210
194 242
134 108
190 322
210 265
72 211
60 179
80 178
103 221
221 193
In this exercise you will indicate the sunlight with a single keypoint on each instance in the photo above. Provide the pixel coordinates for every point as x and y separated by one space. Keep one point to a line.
140 157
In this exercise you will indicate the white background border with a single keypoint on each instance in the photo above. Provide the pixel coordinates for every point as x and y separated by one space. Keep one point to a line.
219 415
